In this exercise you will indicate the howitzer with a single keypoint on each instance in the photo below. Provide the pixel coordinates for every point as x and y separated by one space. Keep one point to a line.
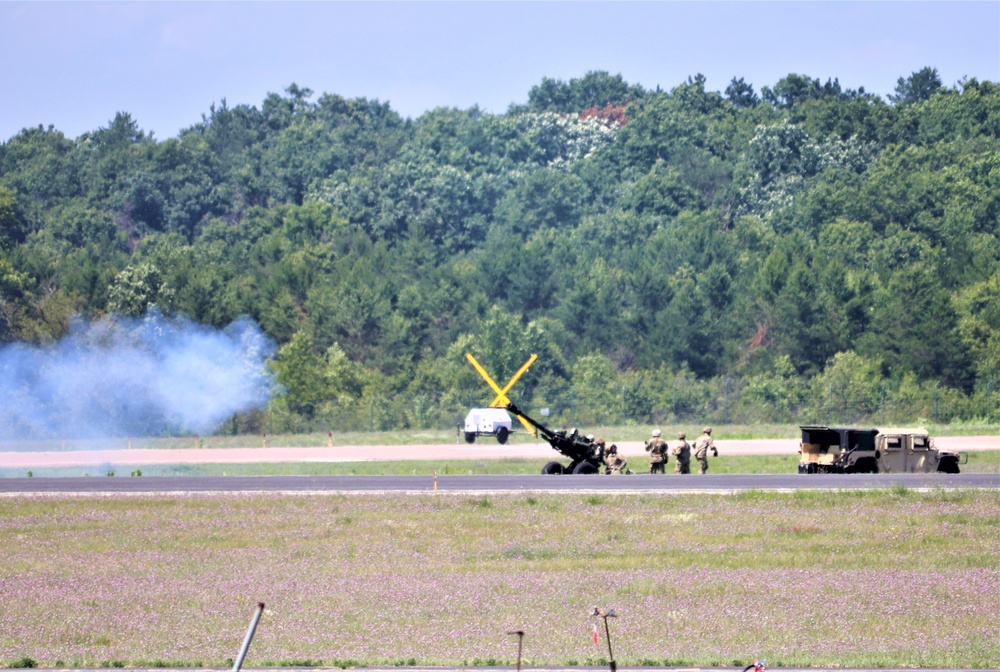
582 453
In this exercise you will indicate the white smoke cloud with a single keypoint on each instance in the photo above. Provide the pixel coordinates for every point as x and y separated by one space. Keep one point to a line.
141 377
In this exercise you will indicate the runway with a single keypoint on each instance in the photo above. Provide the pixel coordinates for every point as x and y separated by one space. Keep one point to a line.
482 484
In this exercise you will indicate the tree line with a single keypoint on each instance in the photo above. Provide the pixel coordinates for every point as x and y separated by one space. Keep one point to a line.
787 237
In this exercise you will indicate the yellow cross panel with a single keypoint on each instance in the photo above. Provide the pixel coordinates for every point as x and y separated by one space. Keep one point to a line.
501 399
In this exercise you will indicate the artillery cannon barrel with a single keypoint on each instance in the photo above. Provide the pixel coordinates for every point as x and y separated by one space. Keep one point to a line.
572 446
547 433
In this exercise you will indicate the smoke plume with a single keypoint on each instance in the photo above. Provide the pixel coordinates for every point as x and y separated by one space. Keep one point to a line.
141 377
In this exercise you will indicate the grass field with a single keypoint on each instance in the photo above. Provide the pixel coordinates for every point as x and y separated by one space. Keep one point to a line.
886 578
980 461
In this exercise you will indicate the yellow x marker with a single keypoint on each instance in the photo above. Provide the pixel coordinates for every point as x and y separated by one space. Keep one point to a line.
501 399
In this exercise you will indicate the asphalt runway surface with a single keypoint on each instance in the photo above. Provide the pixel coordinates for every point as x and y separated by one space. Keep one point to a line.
481 484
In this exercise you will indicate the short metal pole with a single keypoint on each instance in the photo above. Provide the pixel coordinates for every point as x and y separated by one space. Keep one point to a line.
246 640
725 405
675 399
935 418
610 613
520 641
624 412
989 384
883 404
829 407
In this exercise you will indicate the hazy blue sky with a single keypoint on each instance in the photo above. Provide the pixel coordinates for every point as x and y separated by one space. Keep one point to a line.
75 64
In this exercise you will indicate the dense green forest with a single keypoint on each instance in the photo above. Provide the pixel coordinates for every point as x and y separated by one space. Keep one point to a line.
798 253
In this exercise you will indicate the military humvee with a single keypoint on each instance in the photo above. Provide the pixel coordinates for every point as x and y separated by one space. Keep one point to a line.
849 450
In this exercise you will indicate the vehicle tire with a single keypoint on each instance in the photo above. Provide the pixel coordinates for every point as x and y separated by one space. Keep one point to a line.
553 468
470 437
749 667
585 468
862 466
502 435
948 465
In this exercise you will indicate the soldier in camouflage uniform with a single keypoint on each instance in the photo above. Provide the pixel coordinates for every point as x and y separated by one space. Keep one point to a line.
682 451
701 448
657 449
616 463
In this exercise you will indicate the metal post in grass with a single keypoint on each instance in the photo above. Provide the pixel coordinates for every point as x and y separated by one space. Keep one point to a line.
989 384
610 613
829 406
935 418
883 404
675 398
725 401
572 407
246 640
520 642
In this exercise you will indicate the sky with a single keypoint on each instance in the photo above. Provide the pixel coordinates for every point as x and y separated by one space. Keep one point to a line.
74 65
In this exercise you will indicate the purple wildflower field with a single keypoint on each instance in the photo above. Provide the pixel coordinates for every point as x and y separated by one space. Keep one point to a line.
883 579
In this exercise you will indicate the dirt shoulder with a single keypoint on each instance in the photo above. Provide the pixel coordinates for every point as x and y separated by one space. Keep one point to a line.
485 450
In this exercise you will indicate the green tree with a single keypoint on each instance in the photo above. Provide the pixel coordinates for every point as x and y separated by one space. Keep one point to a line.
855 381
13 286
598 396
595 89
979 325
780 390
13 227
915 328
136 288
741 94
916 88
301 374
544 199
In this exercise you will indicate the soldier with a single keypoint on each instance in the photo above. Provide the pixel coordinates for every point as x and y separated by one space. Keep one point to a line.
701 448
616 463
657 449
682 451
597 446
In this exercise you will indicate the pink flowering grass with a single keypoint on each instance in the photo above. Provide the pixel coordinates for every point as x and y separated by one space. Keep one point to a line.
891 578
